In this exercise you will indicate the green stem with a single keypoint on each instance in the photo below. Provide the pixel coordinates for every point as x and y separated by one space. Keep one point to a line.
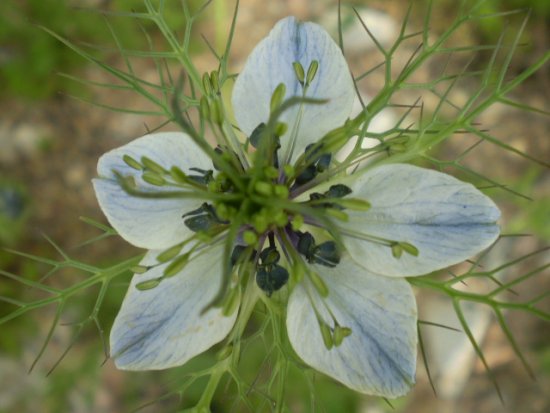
101 276
208 394
247 307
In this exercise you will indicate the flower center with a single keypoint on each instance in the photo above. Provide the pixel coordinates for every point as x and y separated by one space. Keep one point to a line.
262 204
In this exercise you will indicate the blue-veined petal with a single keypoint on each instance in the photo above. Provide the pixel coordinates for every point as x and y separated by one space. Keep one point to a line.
447 220
163 327
270 64
148 223
379 357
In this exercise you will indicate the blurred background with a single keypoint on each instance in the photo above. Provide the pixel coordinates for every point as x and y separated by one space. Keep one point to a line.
51 137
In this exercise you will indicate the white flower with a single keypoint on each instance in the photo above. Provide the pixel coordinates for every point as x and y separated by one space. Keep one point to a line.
370 311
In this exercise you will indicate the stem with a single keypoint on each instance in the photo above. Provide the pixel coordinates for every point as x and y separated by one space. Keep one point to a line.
208 394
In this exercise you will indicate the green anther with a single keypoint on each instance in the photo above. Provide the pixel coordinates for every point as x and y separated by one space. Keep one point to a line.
204 108
319 284
152 165
354 204
281 191
215 81
139 269
312 71
277 97
396 250
271 172
178 175
148 285
298 271
280 218
232 301
340 333
326 333
409 248
216 110
153 178
297 222
170 253
281 128
263 188
250 237
299 71
176 266
131 162
206 85
335 213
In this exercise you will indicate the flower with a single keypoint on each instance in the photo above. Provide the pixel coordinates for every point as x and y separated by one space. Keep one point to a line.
351 314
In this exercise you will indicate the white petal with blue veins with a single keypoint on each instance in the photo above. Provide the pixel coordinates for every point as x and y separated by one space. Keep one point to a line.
447 220
379 357
163 327
148 223
270 64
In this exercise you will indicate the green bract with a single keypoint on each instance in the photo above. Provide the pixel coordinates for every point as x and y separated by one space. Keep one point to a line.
273 210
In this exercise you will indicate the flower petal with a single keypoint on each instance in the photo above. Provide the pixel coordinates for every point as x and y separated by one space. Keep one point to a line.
379 357
163 327
270 64
447 220
148 223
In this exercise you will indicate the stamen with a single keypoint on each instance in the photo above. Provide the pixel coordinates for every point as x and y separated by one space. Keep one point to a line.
270 276
140 269
215 81
176 265
312 71
332 336
326 254
316 162
131 162
178 175
206 85
152 165
203 219
170 253
204 178
299 72
149 284
340 333
326 333
277 97
153 178
397 249
318 283
271 279
256 134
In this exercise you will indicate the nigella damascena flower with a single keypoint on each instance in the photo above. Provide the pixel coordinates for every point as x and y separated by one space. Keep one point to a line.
281 214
